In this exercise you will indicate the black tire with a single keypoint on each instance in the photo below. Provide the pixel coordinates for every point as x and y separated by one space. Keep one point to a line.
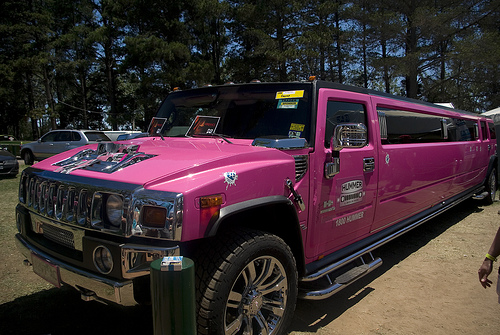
28 157
491 187
246 280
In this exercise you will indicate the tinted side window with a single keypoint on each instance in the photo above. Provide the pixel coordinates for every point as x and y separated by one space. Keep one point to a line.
64 136
338 112
484 133
411 127
493 134
75 136
462 130
50 137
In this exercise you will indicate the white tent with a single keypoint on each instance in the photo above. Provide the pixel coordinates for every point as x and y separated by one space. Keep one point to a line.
494 114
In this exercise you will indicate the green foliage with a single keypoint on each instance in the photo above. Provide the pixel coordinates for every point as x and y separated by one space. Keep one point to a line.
109 63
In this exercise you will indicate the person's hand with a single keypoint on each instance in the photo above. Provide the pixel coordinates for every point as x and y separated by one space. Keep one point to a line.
484 271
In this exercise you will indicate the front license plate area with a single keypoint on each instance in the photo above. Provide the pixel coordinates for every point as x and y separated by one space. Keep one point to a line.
46 270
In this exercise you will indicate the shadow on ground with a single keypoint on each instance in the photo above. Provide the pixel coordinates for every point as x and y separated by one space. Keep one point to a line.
61 312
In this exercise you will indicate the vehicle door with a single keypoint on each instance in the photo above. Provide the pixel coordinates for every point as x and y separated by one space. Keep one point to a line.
45 145
62 142
345 201
77 140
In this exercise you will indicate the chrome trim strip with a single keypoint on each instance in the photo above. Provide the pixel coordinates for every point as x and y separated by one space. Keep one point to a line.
120 292
136 259
38 222
172 202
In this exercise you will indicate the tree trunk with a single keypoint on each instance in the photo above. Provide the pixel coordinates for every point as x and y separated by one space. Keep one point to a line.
385 67
412 63
31 105
49 97
110 76
84 99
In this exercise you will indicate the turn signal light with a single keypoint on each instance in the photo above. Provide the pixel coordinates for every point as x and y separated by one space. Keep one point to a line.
211 201
210 206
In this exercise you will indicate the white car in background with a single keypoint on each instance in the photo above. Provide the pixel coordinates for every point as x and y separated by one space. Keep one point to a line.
57 141
114 135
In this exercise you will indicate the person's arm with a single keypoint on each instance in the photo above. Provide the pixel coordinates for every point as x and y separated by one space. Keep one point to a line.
487 266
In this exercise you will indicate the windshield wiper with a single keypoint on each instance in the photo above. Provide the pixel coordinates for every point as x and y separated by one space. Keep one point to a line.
214 135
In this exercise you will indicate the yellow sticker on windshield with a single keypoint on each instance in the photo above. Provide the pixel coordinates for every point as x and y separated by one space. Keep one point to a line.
290 94
297 126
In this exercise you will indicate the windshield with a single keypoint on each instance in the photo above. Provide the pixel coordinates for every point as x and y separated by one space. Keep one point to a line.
238 111
96 136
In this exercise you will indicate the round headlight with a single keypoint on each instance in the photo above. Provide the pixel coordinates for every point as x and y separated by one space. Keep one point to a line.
103 260
114 209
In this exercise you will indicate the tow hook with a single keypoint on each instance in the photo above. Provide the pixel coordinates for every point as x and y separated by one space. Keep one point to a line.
296 197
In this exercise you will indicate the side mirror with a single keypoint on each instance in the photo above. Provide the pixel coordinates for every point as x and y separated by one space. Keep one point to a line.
346 135
349 135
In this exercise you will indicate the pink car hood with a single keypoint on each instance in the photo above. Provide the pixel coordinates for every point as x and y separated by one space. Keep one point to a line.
175 158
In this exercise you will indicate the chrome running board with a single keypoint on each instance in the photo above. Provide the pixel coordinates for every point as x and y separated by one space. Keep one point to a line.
317 290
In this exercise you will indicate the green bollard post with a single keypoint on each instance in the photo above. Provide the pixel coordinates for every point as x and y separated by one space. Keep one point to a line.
173 297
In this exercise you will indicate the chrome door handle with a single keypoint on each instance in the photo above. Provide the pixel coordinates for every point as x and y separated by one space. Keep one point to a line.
368 164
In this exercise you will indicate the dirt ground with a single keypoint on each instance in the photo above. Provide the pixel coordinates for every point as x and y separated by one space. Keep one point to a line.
427 285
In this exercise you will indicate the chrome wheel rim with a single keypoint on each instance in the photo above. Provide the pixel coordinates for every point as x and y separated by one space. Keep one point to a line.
257 299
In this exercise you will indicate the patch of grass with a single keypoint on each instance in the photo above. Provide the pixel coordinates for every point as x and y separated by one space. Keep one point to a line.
16 280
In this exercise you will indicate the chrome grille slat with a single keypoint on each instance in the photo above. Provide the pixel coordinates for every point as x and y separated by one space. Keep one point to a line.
82 207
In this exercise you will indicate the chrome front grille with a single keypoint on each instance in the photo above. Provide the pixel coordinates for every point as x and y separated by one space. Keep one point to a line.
53 199
78 204
58 235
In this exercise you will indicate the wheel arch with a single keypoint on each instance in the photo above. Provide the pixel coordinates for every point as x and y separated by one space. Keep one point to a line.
25 150
32 157
275 214
493 164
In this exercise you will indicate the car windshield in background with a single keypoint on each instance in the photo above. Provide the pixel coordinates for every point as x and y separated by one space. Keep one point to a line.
96 136
237 111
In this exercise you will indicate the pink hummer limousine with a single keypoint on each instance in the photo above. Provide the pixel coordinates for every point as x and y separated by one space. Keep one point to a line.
277 191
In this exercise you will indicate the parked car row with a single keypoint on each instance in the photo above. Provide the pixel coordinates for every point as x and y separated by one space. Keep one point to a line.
57 141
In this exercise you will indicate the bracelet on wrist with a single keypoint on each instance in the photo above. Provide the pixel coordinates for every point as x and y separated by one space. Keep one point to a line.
491 258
